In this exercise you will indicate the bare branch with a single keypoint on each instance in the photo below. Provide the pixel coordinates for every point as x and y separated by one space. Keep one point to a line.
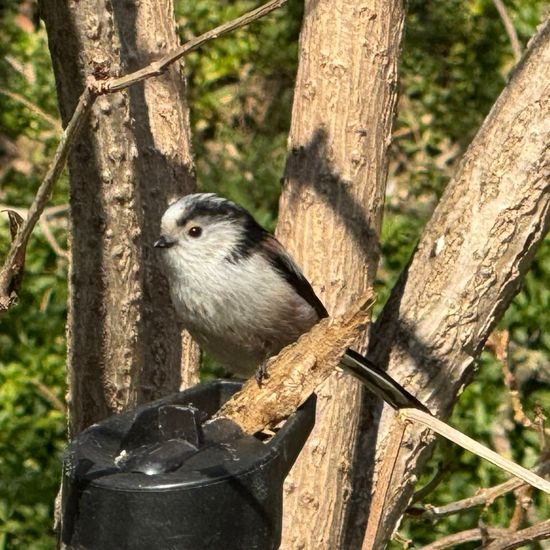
442 472
34 108
482 498
508 541
49 396
473 446
50 237
396 438
157 67
8 294
510 30
467 266
451 541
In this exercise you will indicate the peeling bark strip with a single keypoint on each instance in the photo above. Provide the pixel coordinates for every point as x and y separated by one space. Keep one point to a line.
297 371
330 216
468 266
135 154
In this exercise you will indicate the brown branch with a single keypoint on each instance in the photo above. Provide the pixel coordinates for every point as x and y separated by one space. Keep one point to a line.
297 371
482 498
473 446
157 67
508 541
467 266
523 502
49 214
501 342
10 271
510 30
451 541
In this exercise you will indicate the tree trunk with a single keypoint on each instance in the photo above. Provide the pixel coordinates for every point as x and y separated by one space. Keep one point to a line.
330 219
468 266
124 343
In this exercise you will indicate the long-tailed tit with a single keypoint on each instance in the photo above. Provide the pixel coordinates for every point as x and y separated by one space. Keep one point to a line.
240 294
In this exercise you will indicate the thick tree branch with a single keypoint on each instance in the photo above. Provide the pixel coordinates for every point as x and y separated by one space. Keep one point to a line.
329 219
467 267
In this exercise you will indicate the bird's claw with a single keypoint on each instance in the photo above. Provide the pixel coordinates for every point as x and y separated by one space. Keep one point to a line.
261 374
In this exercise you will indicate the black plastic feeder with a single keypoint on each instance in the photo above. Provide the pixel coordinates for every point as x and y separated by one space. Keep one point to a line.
162 477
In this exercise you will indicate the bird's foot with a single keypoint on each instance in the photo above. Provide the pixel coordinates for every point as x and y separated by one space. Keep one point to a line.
261 374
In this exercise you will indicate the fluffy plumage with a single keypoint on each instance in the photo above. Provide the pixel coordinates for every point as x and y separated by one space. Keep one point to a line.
240 294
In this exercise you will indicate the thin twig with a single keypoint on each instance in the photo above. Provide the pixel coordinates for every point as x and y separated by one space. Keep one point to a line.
502 352
68 138
34 108
157 67
482 498
509 541
49 395
510 30
48 213
473 446
451 541
50 237
523 501
441 473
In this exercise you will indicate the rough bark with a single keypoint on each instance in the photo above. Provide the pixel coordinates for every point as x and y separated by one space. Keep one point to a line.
330 216
123 340
468 265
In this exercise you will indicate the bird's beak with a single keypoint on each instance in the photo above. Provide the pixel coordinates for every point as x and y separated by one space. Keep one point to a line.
164 242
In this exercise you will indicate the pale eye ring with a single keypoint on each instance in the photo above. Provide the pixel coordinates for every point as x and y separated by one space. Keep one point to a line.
195 231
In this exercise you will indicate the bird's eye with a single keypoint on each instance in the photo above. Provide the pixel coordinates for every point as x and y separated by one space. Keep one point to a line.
195 231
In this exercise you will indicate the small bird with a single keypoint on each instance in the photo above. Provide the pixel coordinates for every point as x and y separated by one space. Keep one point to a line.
240 294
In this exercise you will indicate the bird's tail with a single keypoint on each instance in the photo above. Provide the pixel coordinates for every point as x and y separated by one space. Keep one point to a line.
379 382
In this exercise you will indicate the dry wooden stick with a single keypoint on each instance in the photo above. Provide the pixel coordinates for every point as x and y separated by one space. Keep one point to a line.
473 446
482 498
509 27
12 269
509 541
452 541
297 371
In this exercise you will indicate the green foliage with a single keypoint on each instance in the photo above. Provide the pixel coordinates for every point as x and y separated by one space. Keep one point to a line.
32 426
32 339
455 60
